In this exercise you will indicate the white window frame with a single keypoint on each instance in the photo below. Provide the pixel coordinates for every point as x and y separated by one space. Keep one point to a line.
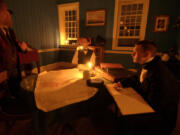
61 20
117 18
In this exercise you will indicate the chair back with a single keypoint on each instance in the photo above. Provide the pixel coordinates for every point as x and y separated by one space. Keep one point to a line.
29 58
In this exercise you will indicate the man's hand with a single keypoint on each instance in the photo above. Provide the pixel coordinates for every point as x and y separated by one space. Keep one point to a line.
117 86
24 47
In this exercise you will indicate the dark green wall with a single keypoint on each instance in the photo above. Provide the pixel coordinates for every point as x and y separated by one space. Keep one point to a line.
36 21
164 40
56 56
103 31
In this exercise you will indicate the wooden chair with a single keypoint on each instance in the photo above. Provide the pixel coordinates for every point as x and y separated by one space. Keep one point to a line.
29 58
13 105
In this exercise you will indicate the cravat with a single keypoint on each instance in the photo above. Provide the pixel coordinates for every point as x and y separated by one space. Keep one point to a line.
143 74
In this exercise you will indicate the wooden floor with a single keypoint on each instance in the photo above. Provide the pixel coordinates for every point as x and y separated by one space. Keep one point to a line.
99 124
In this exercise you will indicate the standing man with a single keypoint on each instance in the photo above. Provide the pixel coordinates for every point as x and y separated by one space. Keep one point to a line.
158 87
9 48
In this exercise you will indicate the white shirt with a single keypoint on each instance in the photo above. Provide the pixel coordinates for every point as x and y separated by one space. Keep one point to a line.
144 71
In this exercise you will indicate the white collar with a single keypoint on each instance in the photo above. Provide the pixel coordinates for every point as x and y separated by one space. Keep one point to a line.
150 59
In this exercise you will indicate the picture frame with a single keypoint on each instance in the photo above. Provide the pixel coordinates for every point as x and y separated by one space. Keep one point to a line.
95 17
161 23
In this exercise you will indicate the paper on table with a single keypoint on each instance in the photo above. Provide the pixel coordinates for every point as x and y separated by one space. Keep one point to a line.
56 89
129 101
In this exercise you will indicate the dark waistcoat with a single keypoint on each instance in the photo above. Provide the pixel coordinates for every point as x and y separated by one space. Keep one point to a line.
9 57
84 58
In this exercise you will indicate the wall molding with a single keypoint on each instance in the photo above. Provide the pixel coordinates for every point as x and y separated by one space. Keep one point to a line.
56 49
73 48
118 52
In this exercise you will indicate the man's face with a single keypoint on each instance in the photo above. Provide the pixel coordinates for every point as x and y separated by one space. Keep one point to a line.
139 55
5 17
84 42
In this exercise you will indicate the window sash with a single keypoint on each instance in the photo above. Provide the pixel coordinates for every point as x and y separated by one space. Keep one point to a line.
68 23
130 20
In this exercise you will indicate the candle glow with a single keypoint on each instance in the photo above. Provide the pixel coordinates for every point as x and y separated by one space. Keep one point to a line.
80 48
89 65
66 41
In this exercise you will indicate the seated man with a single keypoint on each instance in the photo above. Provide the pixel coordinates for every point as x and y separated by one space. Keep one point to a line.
83 54
9 47
158 87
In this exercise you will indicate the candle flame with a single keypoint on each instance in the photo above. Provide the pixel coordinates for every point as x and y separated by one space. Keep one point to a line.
89 65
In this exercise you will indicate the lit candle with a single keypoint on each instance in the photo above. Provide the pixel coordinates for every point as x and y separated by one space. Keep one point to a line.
90 65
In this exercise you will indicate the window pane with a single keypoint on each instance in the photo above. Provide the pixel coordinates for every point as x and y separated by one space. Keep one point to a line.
138 27
70 13
73 29
121 27
121 33
66 24
73 24
137 33
134 7
66 13
73 35
131 33
140 6
74 12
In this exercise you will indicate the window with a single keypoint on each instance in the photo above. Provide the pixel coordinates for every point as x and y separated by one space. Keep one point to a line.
68 23
130 20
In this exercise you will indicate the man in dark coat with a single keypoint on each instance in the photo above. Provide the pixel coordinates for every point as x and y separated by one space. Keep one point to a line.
158 87
9 48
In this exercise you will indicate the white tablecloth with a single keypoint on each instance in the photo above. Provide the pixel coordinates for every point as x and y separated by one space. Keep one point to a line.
56 89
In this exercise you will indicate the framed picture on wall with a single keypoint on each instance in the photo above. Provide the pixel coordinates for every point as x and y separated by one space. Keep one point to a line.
161 23
95 17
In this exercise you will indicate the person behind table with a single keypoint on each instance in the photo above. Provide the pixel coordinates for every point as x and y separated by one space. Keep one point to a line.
9 48
158 87
83 54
